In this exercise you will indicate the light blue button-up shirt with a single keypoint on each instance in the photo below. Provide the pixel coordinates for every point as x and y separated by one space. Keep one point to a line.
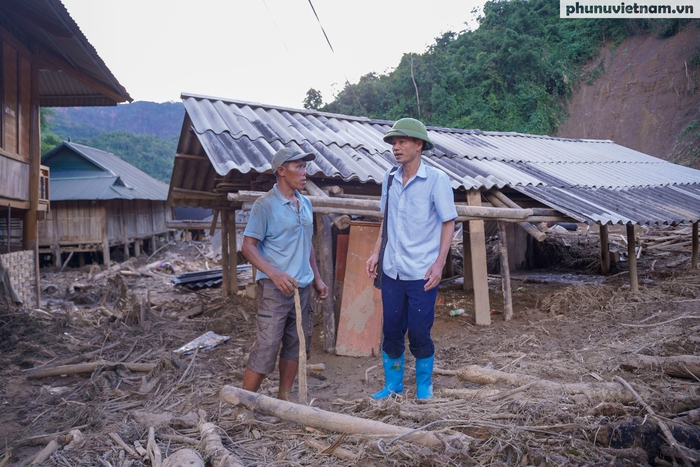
416 214
284 235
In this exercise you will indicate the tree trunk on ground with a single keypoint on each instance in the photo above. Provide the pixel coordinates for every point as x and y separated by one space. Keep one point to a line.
681 366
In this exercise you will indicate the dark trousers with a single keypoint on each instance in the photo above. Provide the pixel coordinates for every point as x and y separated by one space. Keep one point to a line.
407 308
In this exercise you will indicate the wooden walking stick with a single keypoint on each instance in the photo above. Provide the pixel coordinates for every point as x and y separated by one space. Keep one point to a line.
302 348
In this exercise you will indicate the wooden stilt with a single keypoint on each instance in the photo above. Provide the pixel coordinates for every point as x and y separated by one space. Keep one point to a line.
505 272
467 259
225 271
632 258
604 250
694 257
56 255
105 237
477 243
232 254
324 256
137 247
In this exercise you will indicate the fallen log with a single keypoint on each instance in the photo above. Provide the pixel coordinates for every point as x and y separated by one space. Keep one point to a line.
45 453
213 448
681 366
595 392
318 418
87 368
184 458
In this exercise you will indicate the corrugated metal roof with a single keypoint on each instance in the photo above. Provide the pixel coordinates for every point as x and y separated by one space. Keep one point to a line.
71 72
113 178
589 180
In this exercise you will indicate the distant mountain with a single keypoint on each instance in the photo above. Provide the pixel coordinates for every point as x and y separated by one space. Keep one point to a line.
144 134
140 118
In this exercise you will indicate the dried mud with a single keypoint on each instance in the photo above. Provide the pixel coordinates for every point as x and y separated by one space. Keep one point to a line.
570 326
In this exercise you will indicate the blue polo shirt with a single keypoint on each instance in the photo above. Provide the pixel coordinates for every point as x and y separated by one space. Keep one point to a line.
284 236
416 214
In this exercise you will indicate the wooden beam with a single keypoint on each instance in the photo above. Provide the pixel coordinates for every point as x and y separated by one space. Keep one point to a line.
604 249
214 220
342 221
694 256
477 241
476 211
536 233
632 258
324 256
181 193
505 272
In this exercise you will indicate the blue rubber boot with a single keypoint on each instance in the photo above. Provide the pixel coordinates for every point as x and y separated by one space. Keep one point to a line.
424 369
393 377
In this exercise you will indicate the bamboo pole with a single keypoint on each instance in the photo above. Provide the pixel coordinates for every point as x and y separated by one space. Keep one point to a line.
302 347
342 221
87 368
499 201
632 258
505 272
476 211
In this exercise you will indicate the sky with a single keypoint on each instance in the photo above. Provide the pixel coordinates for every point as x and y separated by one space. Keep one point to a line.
266 51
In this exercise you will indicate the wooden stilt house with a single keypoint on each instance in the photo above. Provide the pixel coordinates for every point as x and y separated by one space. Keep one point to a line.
45 60
100 203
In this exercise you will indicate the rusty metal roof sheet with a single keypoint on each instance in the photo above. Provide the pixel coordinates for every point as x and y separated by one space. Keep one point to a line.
589 180
70 71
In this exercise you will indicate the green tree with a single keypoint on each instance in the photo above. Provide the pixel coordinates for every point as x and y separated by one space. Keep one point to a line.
313 99
49 139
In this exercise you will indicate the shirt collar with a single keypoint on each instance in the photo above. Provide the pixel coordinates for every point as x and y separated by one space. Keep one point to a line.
422 171
282 199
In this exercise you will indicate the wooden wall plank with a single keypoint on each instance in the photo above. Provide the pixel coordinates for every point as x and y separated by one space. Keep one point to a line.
11 95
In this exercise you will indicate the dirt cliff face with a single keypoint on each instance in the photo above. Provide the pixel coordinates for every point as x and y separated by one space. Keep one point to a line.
645 94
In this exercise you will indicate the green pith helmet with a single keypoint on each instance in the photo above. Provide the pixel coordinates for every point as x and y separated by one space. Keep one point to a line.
409 127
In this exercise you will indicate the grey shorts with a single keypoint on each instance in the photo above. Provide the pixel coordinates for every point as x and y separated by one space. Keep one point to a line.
276 324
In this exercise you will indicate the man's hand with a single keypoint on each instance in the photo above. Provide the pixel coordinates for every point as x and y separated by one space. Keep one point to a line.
371 265
283 281
321 290
433 276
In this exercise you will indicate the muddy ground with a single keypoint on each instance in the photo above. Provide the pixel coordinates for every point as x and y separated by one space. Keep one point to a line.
569 347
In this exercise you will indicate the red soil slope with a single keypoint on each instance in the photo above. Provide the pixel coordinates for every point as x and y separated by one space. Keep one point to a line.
645 97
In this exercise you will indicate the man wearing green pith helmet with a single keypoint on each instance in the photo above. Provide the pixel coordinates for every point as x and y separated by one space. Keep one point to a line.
420 220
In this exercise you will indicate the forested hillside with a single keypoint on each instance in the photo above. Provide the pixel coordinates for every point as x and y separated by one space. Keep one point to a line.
522 70
516 72
142 133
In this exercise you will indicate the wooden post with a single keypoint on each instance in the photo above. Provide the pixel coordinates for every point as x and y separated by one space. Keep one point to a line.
30 229
9 232
124 234
137 247
694 257
225 271
498 199
324 256
477 245
154 244
604 249
505 272
467 259
232 254
632 258
56 255
105 237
